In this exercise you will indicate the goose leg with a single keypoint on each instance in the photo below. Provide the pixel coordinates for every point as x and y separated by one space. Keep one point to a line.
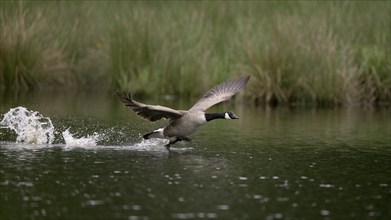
171 142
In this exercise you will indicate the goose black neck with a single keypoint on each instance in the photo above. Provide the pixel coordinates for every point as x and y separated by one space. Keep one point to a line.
213 116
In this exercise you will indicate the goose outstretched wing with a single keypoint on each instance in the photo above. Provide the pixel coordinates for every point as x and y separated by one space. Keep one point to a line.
150 112
220 93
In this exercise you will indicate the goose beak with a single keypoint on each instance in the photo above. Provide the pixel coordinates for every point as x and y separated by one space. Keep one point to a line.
233 116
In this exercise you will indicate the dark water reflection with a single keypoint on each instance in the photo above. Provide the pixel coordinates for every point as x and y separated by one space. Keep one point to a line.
271 164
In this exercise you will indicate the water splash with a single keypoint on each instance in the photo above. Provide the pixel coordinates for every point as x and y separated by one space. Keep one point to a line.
30 126
149 145
88 141
155 145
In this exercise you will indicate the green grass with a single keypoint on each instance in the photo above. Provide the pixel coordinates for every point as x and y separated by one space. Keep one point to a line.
323 53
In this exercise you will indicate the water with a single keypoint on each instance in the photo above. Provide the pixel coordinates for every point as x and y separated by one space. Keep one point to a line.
270 164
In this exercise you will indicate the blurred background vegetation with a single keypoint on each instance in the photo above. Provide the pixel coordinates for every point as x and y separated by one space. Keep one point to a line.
302 52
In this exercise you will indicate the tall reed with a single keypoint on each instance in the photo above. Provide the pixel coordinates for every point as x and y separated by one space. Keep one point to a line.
298 52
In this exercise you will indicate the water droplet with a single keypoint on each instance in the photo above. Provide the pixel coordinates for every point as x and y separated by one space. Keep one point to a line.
88 141
183 215
136 207
278 215
211 215
36 198
282 199
201 215
26 184
324 212
257 196
323 185
4 183
94 202
223 207
374 213
134 217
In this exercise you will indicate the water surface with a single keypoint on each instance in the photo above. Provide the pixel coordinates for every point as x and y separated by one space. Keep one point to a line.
283 163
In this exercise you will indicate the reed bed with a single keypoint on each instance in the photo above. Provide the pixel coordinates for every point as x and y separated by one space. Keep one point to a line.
323 53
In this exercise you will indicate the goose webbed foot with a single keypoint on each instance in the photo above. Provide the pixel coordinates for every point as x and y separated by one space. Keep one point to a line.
168 146
176 140
186 139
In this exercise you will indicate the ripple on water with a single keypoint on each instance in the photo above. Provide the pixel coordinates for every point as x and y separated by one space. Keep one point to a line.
275 216
326 185
135 217
93 202
25 184
203 215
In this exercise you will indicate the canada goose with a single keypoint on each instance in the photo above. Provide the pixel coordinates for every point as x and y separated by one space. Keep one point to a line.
183 123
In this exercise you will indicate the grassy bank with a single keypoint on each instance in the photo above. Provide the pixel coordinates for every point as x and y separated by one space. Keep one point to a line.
297 52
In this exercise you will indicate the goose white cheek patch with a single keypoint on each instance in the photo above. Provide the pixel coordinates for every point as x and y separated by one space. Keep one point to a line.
226 116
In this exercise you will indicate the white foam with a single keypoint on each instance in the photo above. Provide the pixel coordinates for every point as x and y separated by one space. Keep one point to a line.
88 141
30 126
154 144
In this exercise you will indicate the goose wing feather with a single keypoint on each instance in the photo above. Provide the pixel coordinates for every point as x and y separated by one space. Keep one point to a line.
221 92
150 112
